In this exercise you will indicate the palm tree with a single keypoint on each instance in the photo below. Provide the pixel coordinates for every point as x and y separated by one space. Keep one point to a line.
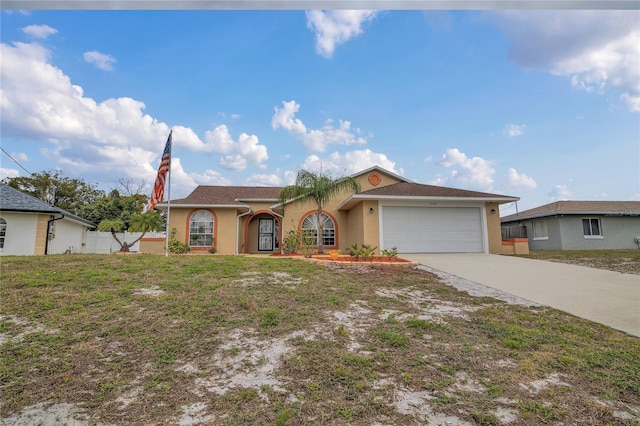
143 222
319 188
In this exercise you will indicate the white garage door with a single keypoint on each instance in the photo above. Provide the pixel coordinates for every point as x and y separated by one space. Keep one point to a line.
432 229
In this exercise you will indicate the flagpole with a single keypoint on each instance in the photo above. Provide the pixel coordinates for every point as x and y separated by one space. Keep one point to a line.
166 230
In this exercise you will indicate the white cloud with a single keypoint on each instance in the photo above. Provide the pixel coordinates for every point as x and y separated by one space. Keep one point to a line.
559 193
471 173
285 117
38 100
19 156
632 102
263 180
349 163
39 31
513 130
519 181
233 116
335 27
8 173
209 177
21 12
100 60
237 154
315 139
597 49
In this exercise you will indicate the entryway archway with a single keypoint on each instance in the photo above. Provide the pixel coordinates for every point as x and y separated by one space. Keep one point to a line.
263 233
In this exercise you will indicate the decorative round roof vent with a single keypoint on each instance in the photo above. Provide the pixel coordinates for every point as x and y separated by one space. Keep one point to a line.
374 179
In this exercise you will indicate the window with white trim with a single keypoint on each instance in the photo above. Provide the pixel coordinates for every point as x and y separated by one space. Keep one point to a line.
3 231
310 229
201 229
591 227
540 230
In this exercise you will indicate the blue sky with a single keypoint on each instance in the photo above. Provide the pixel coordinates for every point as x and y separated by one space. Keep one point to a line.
543 105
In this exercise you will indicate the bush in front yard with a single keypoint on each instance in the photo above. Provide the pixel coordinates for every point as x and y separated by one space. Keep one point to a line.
178 247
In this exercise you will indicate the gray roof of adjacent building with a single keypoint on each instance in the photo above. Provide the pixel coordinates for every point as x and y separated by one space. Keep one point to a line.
557 208
13 200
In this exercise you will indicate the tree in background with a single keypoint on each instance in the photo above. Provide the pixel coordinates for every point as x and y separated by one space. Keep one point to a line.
318 188
83 199
143 222
114 206
59 191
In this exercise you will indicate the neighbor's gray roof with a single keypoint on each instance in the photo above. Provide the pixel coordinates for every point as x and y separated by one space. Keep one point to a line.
630 208
16 201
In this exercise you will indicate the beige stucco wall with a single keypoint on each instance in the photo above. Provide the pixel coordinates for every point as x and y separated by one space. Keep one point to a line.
224 228
515 246
152 245
385 180
494 233
41 234
225 231
364 226
296 211
356 226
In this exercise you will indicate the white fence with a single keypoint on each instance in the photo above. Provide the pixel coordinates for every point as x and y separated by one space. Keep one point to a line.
103 242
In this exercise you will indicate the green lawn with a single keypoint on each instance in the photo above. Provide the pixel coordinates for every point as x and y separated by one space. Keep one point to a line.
143 339
624 261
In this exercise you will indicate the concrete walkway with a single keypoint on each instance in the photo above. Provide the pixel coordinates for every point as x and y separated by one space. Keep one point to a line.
607 297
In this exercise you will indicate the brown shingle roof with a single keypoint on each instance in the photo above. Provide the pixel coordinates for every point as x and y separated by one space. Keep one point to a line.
229 195
578 207
234 195
409 189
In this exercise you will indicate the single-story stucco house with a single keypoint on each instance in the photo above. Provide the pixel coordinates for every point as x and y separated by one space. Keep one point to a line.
30 226
389 211
580 225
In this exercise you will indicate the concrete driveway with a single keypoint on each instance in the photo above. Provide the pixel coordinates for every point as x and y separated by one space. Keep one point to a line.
610 298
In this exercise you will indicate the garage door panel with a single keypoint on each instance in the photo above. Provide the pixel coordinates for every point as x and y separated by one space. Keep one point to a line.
432 230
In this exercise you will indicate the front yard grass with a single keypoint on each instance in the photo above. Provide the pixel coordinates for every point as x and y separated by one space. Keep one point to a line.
143 339
623 261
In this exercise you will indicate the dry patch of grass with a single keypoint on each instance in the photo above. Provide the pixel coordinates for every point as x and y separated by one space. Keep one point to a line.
232 340
623 261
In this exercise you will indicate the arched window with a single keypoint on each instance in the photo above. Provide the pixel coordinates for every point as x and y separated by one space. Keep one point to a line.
201 229
3 231
310 228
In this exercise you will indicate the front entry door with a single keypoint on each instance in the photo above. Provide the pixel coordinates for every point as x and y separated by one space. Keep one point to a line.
265 234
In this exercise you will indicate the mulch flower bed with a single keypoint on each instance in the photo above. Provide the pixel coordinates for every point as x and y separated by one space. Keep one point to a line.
347 258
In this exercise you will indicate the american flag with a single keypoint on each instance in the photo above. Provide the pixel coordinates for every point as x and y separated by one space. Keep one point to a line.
165 164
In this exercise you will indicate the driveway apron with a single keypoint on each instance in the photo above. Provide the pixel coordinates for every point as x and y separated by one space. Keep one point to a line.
606 297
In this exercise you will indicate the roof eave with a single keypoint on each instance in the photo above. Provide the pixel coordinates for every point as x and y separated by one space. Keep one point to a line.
81 221
380 169
4 209
163 206
355 198
576 213
257 200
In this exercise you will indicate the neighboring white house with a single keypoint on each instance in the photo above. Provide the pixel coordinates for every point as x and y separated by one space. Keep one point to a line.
30 226
580 225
